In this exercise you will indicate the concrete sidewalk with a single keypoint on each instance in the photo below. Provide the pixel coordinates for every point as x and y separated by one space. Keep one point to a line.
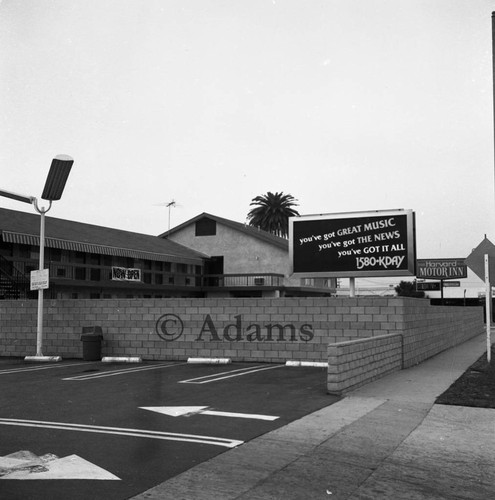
386 440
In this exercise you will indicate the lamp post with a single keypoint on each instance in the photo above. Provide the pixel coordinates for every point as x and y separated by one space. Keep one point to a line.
54 187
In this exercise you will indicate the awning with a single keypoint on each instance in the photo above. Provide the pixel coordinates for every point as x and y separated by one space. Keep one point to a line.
79 246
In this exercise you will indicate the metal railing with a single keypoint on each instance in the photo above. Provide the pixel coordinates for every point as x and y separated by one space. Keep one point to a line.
243 280
88 273
17 272
15 281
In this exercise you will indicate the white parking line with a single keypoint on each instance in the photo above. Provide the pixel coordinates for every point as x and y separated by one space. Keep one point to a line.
122 371
168 436
7 371
229 374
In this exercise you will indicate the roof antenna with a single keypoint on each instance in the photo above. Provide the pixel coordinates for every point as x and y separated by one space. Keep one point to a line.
169 205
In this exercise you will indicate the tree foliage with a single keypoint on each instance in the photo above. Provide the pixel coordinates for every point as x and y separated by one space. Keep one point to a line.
271 212
408 289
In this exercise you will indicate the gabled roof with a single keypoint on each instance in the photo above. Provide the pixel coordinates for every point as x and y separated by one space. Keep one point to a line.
243 228
24 228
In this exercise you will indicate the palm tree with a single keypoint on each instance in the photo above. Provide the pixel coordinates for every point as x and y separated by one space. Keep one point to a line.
272 212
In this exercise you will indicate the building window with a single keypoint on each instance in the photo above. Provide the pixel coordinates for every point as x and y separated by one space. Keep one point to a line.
107 260
55 254
206 227
6 249
182 268
79 257
24 252
147 277
80 273
95 275
158 279
94 259
94 295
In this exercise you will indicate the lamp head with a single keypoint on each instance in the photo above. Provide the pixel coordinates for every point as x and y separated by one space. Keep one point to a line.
57 177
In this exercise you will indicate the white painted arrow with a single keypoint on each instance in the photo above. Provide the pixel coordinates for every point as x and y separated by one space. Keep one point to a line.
181 411
25 465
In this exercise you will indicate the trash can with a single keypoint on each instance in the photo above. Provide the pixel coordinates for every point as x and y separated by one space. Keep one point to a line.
91 338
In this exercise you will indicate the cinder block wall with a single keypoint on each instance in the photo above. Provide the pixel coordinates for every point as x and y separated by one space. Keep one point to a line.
266 330
357 362
423 331
428 330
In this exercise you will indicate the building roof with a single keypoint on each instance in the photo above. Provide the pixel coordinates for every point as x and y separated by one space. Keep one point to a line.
243 228
24 228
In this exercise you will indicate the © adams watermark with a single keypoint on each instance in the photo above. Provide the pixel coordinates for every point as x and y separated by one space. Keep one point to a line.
170 327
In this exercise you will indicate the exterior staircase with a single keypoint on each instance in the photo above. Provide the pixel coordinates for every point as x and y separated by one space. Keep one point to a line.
14 285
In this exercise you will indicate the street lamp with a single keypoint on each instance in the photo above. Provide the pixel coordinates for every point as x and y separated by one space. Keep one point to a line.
54 187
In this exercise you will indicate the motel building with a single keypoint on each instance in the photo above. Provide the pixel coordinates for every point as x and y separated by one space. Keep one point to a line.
86 261
243 257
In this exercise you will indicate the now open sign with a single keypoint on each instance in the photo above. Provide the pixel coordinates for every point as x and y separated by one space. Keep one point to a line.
126 274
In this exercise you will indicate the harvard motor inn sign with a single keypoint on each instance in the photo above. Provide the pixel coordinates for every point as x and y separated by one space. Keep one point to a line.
442 269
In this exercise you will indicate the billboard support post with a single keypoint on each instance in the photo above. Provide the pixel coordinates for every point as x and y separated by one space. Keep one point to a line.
488 298
352 287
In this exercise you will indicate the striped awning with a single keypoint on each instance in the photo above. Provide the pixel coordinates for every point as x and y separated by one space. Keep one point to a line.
79 246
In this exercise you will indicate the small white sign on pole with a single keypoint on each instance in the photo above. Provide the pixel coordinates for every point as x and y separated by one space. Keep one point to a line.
39 279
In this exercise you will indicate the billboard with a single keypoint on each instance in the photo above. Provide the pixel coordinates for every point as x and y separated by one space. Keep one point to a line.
356 244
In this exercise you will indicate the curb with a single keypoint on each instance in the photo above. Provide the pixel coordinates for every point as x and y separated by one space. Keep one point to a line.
321 364
122 359
210 361
42 359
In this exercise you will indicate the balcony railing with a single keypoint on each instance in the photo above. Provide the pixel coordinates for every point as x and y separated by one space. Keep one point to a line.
243 280
88 273
62 272
14 279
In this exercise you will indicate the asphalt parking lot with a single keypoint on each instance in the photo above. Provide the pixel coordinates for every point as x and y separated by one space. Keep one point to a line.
83 430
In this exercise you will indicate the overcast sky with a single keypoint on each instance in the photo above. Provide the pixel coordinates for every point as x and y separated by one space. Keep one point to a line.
348 105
